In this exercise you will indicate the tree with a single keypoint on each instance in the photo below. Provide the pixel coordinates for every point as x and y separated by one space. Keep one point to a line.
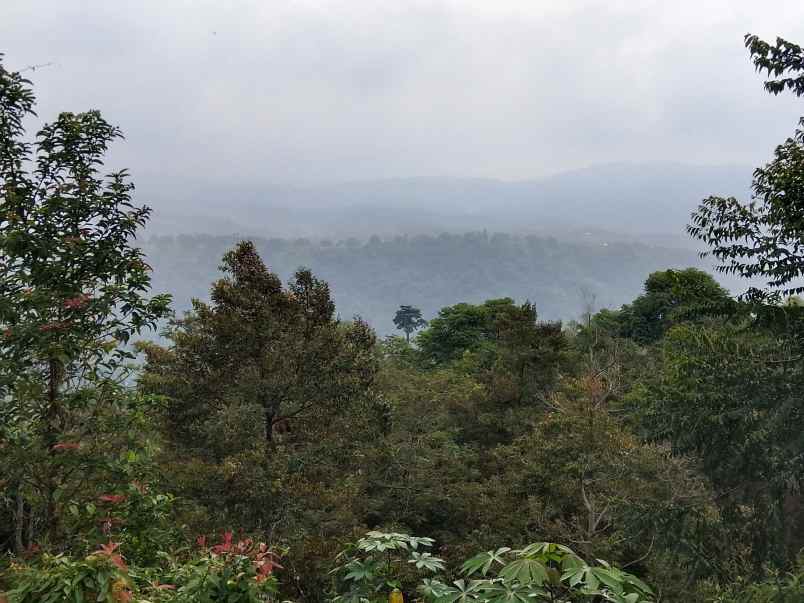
409 319
765 237
282 349
73 287
670 296
257 361
730 396
465 328
730 393
502 343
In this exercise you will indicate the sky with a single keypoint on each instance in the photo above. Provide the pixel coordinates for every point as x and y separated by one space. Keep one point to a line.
250 93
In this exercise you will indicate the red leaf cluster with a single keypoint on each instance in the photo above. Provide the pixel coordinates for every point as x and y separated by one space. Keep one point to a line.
262 557
265 561
54 326
77 302
108 550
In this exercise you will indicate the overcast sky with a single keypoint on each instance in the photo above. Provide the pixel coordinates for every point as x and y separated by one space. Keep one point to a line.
267 91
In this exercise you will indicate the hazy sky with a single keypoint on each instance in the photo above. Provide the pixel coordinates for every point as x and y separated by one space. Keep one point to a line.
268 91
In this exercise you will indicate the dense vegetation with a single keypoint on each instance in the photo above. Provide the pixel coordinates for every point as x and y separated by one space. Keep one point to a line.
372 278
265 449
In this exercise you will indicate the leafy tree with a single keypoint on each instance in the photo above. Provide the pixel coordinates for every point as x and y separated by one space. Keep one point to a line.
258 361
417 471
504 347
72 285
580 475
670 296
459 328
476 328
765 237
281 349
779 587
731 396
409 319
529 359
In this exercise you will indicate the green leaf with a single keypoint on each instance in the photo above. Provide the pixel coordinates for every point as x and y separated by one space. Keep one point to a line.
525 571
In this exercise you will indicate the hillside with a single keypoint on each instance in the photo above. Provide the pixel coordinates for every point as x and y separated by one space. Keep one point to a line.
373 278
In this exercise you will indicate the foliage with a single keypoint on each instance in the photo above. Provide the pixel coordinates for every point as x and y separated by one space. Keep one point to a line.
409 319
259 366
539 572
435 270
663 436
101 576
783 58
670 296
257 344
72 292
233 571
763 238
380 562
71 282
500 342
787 587
730 396
463 328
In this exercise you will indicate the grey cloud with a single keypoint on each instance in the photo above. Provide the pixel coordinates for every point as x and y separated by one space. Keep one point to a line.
266 91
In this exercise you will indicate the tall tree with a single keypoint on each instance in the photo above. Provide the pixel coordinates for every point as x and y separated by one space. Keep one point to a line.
73 287
731 396
461 328
727 394
765 237
409 319
670 296
281 349
259 360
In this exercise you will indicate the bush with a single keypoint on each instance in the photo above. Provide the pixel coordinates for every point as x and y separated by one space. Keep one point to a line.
99 577
541 571
231 571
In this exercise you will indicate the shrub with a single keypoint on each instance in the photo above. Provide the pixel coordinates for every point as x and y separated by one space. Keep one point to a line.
541 571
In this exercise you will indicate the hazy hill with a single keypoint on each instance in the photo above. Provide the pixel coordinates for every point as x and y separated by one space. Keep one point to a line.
648 202
372 278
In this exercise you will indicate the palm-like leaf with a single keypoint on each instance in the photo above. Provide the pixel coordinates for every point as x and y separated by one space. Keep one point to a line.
484 561
525 571
426 561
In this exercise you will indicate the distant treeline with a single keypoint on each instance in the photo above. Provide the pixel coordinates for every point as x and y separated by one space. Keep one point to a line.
371 278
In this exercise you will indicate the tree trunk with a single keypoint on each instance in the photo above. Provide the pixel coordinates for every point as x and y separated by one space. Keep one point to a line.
19 523
31 518
269 426
51 437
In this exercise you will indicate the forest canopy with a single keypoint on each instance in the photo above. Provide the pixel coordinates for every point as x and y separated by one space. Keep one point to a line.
265 448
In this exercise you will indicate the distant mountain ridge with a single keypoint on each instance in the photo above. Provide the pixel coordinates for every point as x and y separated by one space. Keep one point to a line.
433 242
648 202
